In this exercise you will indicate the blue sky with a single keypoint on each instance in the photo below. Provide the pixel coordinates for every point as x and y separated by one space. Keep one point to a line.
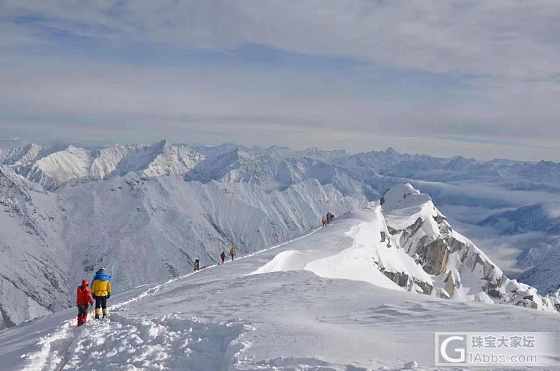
467 77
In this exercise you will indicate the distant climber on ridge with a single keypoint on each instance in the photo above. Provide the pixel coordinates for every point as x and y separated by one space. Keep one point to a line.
196 265
83 300
101 289
232 251
223 257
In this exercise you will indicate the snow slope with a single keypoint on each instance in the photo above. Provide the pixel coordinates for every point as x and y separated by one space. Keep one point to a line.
243 316
168 223
147 211
142 229
32 265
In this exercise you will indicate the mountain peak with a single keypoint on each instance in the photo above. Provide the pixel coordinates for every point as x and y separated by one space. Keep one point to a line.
391 151
163 143
402 196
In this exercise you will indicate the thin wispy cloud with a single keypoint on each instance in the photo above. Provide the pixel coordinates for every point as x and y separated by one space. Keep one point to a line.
353 73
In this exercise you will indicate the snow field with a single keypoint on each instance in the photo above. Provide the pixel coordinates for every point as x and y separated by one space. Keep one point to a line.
52 347
150 342
169 342
287 318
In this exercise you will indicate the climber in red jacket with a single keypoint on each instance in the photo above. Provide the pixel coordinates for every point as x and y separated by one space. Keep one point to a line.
83 300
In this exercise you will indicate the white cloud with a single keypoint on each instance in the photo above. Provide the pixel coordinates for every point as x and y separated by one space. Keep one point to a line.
499 37
504 53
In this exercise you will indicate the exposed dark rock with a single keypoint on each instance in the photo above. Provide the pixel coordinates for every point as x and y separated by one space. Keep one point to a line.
434 256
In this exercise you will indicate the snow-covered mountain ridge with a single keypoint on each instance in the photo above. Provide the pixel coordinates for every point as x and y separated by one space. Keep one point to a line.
53 167
292 306
68 209
458 267
408 243
143 229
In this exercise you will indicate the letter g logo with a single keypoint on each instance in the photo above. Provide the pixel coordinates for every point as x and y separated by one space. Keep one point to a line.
457 354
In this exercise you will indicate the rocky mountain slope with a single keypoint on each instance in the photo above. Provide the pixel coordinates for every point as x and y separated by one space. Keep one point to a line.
458 268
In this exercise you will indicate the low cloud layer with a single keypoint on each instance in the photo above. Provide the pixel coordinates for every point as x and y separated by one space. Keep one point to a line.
475 78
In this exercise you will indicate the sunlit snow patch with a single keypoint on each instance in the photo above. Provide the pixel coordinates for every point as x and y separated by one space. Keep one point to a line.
289 260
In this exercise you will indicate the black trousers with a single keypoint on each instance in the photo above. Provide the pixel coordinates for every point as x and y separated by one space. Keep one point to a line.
100 306
100 302
82 309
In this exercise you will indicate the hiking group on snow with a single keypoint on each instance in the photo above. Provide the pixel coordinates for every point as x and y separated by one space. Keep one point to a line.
101 287
100 291
232 253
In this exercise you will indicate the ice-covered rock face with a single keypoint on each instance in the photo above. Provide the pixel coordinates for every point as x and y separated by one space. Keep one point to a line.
459 268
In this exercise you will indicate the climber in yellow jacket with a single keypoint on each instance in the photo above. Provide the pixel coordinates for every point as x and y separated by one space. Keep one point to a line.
101 291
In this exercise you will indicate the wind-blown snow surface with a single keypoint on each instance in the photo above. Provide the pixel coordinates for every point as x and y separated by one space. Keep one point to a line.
253 315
